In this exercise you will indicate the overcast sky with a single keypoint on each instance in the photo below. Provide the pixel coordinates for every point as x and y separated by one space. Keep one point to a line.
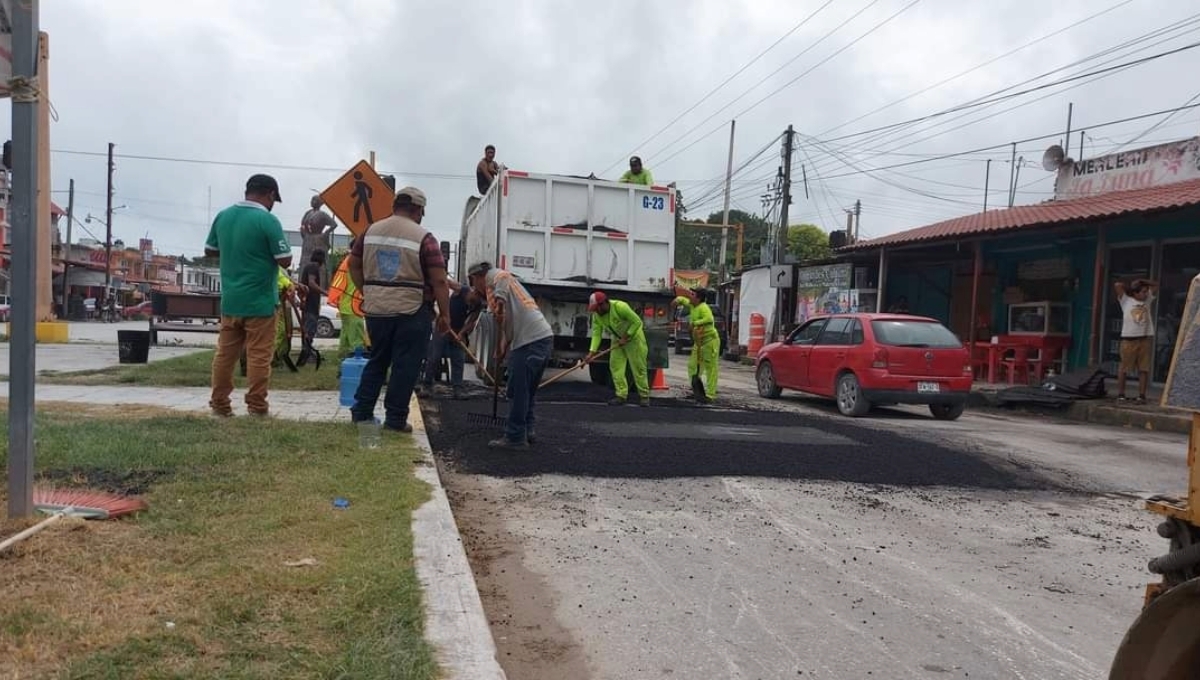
304 89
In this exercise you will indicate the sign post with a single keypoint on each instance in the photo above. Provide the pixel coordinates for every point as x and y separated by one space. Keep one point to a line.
359 198
25 94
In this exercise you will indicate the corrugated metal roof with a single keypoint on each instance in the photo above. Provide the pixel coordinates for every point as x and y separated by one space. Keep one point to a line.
1112 204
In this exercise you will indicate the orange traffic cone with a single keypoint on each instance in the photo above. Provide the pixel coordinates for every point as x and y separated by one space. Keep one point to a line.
660 380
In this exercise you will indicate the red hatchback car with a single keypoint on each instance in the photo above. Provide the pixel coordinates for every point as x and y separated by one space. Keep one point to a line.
862 360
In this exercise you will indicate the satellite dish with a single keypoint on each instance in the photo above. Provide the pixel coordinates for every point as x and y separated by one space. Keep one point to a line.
1053 159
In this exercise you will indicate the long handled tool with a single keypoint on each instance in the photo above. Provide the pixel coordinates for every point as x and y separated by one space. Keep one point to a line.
563 373
458 339
493 420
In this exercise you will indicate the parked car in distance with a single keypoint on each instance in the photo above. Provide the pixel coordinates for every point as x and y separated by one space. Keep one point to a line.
681 330
863 360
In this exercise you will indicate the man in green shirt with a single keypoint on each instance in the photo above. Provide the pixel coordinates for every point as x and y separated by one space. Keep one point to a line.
706 345
637 174
251 247
629 345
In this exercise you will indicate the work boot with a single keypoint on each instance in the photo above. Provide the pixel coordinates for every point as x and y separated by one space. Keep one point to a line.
645 401
697 388
424 391
529 437
616 401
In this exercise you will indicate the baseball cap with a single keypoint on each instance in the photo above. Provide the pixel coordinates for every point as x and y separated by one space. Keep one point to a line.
414 195
596 300
262 184
480 268
635 159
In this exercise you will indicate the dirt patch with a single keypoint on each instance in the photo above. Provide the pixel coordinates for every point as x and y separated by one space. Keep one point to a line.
125 483
530 643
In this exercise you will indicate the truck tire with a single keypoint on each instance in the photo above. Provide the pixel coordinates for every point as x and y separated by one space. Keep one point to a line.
1164 642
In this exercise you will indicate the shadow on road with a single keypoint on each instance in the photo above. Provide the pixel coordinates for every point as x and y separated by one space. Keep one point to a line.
577 434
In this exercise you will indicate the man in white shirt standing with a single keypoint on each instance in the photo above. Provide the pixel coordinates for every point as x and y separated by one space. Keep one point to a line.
1137 334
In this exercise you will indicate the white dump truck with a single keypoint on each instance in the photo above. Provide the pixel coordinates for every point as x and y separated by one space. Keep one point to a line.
565 237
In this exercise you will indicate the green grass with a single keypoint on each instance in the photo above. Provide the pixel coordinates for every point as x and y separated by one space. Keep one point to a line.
194 370
196 586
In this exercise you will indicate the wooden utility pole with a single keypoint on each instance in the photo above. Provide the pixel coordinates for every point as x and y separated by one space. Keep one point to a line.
781 247
45 254
725 219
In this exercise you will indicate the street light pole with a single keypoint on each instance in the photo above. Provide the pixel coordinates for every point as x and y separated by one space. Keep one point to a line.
108 211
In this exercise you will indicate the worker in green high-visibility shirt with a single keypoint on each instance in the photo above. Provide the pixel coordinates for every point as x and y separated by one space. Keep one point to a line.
629 345
706 345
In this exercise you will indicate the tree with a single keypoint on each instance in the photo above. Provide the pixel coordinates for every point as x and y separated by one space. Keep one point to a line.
807 242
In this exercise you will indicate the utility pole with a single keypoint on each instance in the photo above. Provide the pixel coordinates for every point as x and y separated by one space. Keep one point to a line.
21 369
987 183
787 194
66 250
108 210
725 219
1012 175
857 218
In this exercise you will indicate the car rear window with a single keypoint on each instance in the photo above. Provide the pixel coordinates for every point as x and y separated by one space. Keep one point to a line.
909 333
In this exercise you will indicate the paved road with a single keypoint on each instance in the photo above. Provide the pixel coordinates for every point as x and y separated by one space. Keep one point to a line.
761 539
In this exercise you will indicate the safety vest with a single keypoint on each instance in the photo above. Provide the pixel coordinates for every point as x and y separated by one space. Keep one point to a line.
341 285
393 283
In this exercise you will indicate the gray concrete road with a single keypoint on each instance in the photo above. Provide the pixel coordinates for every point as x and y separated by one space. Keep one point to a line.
779 540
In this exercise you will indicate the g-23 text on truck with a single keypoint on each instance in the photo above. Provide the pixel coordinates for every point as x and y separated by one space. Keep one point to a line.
565 237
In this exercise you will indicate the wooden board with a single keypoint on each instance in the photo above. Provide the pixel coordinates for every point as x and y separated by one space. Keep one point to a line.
1183 382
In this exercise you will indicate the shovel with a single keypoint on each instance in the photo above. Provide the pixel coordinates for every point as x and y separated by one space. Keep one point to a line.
576 367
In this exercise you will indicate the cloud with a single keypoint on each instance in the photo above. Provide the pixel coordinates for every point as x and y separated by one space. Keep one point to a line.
569 88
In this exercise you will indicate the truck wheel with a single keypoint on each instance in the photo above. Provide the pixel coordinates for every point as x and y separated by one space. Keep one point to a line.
599 374
1164 642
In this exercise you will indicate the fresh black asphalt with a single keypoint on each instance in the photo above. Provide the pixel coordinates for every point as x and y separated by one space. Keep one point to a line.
578 434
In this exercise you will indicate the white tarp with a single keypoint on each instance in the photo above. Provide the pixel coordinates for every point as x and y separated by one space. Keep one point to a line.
755 296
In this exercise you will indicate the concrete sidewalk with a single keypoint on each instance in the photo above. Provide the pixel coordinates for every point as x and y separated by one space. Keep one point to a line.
455 623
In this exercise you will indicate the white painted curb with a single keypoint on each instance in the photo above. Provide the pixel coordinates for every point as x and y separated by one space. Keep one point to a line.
454 620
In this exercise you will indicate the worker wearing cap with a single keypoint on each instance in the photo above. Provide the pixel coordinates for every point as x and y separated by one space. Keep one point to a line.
401 271
637 174
249 243
706 346
629 345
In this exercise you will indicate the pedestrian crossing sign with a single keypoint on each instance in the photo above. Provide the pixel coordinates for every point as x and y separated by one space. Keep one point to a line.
359 198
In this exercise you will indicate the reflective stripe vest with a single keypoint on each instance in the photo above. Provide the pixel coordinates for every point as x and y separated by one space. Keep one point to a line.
393 283
341 286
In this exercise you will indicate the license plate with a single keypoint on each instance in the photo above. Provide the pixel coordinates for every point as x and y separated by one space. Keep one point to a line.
928 388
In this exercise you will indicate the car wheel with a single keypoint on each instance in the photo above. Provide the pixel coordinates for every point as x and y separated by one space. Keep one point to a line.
850 399
947 411
324 328
765 377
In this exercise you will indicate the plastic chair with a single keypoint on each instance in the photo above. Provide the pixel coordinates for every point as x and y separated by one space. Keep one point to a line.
1017 365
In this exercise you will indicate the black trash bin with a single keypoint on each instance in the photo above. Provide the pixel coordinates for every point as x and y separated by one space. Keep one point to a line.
133 347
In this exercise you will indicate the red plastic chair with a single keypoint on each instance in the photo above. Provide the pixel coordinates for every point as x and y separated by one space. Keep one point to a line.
1017 365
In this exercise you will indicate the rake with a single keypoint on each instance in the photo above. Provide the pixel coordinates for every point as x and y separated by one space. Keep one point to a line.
75 503
563 373
483 419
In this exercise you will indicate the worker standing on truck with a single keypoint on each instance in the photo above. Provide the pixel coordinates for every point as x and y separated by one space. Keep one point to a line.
629 345
706 344
637 174
486 170
526 338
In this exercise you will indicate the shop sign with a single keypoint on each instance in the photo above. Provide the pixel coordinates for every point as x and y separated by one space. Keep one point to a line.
1138 169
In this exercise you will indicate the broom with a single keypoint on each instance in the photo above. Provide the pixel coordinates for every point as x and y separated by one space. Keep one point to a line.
75 503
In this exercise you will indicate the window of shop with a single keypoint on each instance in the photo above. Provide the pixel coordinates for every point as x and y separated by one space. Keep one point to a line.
1125 263
1180 264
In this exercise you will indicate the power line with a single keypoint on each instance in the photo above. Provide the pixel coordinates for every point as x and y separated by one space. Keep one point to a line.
978 66
748 91
713 91
243 164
